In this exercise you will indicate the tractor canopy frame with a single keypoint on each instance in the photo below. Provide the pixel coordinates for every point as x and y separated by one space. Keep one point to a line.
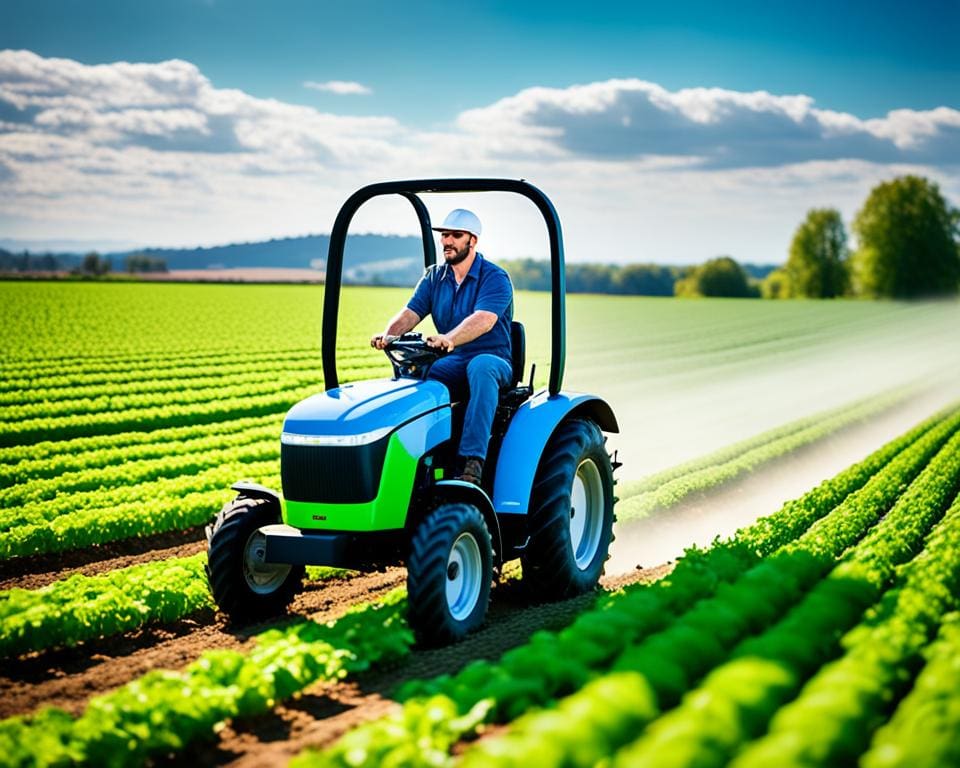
411 189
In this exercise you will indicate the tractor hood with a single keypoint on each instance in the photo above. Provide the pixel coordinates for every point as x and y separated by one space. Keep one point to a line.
362 412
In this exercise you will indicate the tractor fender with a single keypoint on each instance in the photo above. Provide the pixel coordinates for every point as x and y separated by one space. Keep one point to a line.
255 491
445 491
527 437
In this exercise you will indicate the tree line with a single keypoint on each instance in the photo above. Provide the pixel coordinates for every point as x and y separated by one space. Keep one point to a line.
908 246
91 264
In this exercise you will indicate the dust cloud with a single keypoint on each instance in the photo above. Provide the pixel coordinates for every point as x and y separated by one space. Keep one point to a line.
670 414
698 520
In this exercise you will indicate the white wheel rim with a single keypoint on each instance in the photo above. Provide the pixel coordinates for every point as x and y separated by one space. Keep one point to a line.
586 513
464 576
262 577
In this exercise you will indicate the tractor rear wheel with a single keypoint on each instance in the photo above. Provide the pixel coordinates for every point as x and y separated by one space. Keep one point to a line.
449 573
571 514
244 586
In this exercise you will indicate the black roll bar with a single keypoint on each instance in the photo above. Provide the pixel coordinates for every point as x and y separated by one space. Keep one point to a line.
411 189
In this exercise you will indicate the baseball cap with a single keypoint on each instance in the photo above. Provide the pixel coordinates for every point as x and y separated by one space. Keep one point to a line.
460 219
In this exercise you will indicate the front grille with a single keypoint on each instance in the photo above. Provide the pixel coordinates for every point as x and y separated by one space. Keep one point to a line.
330 474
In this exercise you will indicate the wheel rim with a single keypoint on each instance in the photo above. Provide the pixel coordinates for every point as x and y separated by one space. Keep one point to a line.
586 513
464 576
262 577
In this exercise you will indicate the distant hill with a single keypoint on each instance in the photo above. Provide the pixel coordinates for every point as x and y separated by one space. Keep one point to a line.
377 259
368 260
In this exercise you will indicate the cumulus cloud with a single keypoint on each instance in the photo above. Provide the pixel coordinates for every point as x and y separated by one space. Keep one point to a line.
716 128
340 87
172 106
157 153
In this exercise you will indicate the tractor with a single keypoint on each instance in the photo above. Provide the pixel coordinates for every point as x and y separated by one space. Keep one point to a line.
367 471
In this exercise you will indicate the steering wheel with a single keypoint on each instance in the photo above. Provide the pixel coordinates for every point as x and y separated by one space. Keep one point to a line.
411 356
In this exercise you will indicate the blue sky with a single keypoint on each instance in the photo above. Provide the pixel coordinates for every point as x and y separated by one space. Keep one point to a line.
712 126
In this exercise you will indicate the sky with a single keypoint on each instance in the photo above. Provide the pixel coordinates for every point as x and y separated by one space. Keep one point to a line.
667 132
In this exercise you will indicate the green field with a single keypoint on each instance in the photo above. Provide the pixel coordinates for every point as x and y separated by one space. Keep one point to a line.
128 410
684 377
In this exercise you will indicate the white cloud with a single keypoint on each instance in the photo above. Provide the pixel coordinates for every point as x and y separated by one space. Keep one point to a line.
156 153
340 87
623 119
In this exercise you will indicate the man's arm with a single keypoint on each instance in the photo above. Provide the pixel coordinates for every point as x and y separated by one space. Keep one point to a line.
405 320
472 327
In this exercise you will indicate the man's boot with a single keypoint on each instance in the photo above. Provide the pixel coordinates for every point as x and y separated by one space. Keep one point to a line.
472 470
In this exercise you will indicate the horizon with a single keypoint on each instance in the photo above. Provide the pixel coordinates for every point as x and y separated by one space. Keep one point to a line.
665 134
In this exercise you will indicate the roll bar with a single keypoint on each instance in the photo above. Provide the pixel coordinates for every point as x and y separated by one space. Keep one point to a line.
411 189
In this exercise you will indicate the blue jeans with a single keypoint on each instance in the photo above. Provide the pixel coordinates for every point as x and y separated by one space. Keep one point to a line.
480 378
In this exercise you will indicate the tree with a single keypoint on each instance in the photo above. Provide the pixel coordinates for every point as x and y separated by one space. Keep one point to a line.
817 265
776 285
717 277
142 262
644 280
94 265
908 241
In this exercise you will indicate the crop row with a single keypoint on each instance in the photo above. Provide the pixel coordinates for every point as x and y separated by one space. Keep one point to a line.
736 701
152 417
668 488
164 710
640 624
142 517
117 480
825 725
923 730
115 399
220 475
86 370
29 471
89 372
832 718
145 360
81 608
162 441
161 380
26 402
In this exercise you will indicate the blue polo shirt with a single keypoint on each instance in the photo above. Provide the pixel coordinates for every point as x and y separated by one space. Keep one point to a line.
486 287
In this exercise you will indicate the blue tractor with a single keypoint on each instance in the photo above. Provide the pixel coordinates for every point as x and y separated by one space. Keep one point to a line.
367 470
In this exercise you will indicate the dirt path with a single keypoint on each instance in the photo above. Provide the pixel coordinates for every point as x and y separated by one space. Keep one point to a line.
68 678
39 570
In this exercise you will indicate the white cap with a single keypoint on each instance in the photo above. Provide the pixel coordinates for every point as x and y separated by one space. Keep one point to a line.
460 219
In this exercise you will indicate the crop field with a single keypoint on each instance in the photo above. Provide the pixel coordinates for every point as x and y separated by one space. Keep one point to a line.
826 632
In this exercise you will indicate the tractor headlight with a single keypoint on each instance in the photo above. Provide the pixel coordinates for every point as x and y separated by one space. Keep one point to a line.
342 441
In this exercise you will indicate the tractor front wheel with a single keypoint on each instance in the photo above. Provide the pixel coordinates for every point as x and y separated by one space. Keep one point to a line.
244 585
571 515
449 573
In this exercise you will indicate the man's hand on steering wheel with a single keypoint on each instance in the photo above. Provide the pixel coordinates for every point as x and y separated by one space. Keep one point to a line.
441 341
380 340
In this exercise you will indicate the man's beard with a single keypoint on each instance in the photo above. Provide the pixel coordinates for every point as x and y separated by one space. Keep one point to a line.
458 255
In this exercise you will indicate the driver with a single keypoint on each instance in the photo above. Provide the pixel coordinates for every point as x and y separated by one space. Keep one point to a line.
471 300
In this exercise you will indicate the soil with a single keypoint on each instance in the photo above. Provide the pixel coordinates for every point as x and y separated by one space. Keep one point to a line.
68 678
39 570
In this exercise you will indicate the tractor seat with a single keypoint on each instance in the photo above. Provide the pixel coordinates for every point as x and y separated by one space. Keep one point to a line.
516 393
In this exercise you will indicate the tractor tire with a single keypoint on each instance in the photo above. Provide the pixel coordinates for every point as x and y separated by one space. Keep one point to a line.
571 514
449 573
243 586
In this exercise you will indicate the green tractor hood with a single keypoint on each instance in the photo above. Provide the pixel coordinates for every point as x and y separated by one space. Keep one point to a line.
349 453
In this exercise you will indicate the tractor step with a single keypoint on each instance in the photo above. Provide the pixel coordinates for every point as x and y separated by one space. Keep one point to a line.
286 544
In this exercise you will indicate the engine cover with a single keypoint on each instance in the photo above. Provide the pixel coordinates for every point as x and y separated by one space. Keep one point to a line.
359 445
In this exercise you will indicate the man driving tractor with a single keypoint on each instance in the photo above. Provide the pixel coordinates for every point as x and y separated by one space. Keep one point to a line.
471 301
